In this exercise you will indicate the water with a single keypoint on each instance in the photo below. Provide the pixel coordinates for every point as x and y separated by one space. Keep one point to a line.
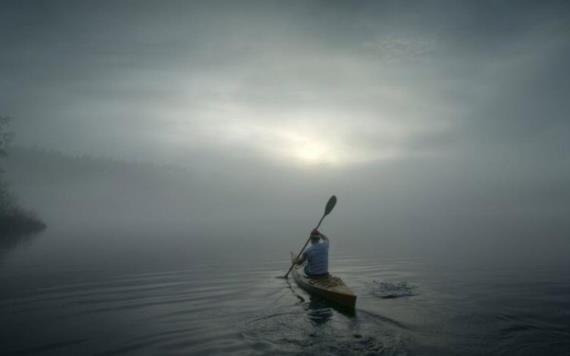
107 292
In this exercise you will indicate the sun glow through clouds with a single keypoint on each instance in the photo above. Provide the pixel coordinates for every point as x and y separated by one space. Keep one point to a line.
306 149
312 153
305 139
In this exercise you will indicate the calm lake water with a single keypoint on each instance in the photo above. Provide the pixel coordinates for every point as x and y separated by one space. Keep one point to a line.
106 292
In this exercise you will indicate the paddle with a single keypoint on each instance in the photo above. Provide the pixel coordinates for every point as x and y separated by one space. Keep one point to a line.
330 206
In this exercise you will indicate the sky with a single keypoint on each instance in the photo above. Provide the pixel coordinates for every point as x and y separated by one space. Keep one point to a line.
301 82
461 103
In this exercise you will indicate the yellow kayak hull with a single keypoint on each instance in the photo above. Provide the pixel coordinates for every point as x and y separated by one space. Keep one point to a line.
330 288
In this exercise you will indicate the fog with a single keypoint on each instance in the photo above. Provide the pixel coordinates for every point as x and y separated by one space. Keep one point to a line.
441 127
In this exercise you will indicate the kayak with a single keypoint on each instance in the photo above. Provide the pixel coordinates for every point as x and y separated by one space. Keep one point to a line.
330 288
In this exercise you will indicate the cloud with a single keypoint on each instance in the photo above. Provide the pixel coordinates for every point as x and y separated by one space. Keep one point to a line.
339 82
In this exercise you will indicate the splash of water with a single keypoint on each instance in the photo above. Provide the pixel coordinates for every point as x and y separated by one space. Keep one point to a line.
390 290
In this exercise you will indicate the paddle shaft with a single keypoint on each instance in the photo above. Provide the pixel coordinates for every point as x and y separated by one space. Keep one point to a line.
303 249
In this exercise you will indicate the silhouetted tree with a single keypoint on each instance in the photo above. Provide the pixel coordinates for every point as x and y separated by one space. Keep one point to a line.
13 220
5 138
5 135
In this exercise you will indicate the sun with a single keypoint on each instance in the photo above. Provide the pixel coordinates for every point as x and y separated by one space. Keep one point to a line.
312 152
304 147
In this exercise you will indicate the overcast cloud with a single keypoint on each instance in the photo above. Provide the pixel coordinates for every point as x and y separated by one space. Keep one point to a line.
328 82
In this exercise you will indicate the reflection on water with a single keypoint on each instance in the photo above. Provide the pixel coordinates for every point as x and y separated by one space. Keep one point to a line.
12 241
318 312
316 328
91 297
15 240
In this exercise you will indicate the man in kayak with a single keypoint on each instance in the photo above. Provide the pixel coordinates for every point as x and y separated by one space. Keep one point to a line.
316 256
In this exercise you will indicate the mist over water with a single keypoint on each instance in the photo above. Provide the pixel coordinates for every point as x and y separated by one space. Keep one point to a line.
133 262
414 208
177 151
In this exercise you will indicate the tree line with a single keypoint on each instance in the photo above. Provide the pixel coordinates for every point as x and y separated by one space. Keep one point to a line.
13 219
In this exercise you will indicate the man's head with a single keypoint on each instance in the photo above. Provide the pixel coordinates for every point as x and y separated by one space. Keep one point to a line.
315 236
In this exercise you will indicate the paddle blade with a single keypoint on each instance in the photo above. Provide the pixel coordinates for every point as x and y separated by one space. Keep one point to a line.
330 205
